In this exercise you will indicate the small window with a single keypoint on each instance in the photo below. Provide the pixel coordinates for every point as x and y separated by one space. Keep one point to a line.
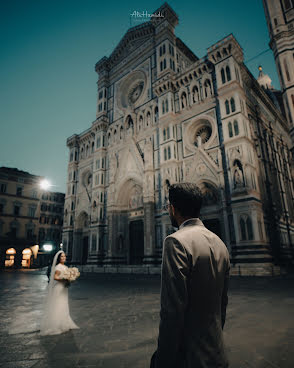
163 107
19 191
249 228
243 229
223 76
16 210
286 70
3 188
287 4
236 128
168 153
230 129
233 107
32 211
165 155
227 107
228 72
1 207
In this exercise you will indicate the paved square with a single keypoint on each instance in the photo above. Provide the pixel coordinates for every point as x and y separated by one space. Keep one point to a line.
118 317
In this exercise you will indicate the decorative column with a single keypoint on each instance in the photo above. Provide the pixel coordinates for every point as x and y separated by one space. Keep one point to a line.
149 206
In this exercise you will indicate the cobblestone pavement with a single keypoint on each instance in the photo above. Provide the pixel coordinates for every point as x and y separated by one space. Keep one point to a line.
118 317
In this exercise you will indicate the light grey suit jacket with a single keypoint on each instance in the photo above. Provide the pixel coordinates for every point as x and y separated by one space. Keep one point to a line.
194 284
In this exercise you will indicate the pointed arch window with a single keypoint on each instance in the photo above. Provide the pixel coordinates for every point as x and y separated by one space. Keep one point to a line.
249 228
227 107
246 228
233 106
223 76
167 133
163 107
164 64
164 134
243 229
168 153
236 127
287 4
230 129
166 105
228 73
165 155
287 70
156 114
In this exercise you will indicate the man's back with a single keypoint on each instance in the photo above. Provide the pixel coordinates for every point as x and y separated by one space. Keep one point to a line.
195 274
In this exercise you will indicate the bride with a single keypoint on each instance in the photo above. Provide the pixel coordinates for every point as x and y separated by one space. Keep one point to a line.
56 318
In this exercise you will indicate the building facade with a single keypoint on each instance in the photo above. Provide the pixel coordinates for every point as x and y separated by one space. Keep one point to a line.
165 116
280 21
25 224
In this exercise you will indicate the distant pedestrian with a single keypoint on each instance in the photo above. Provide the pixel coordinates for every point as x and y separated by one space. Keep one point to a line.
194 284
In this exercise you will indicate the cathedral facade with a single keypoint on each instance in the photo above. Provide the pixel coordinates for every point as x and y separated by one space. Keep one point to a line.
166 116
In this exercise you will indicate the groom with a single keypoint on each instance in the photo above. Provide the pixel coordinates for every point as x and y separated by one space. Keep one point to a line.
194 284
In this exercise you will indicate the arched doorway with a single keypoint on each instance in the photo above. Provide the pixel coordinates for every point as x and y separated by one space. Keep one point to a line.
210 208
26 257
131 222
136 242
82 235
10 254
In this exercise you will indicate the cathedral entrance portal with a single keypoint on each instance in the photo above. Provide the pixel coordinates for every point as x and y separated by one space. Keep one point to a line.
136 242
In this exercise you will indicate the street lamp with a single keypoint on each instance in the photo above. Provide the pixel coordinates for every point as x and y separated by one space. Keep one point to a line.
48 247
45 184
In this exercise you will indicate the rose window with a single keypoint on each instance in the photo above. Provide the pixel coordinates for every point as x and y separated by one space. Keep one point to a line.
202 135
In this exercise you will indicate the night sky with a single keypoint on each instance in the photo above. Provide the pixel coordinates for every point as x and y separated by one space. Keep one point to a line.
48 52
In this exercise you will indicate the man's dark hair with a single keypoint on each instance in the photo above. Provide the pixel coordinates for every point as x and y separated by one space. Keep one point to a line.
186 198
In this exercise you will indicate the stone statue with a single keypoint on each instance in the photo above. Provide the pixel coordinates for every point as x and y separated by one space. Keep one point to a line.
184 100
238 177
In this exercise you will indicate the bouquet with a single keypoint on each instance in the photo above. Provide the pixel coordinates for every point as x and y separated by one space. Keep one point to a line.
70 275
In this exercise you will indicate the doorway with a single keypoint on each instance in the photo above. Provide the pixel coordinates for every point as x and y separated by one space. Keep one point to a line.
136 242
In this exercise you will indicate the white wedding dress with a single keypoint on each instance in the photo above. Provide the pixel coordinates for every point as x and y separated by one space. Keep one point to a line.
56 318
